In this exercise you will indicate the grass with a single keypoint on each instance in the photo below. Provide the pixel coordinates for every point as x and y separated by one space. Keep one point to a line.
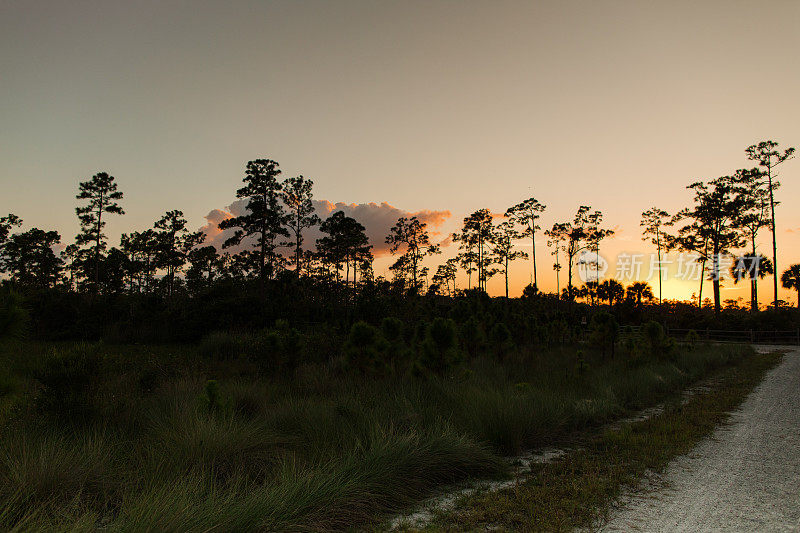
140 446
576 491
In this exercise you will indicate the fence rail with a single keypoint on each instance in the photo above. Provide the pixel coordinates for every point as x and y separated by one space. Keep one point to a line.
791 337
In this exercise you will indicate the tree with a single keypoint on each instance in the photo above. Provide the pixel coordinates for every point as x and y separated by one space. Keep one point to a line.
296 194
116 270
604 330
467 258
503 247
526 214
555 239
101 195
595 234
411 236
610 290
141 248
768 156
790 279
652 221
446 274
753 267
204 265
588 291
712 225
753 216
6 224
639 291
174 243
346 242
29 259
265 219
477 234
574 237
71 257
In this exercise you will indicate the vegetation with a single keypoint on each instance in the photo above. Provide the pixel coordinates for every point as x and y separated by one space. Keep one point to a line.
228 435
166 384
577 490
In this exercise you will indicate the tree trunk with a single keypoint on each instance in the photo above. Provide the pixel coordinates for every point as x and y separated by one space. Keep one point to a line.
533 254
96 287
506 277
754 283
774 242
658 244
569 279
558 275
702 279
715 280
297 252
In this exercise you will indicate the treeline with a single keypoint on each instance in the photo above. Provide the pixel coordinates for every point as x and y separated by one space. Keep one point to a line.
266 261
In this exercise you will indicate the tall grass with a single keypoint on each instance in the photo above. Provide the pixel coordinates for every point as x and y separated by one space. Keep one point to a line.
319 450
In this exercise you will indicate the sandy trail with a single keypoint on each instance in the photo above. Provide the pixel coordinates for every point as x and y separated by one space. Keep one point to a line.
746 477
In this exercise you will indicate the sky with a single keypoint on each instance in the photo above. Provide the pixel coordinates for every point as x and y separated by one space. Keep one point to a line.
435 107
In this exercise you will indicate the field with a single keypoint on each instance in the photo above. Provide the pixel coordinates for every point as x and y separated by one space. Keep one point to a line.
186 438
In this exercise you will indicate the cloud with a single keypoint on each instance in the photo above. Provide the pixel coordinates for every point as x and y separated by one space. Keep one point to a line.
376 218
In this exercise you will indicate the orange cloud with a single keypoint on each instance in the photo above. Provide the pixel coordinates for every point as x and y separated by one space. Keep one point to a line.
376 218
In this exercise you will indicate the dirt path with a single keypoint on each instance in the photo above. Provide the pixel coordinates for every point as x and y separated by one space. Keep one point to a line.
745 478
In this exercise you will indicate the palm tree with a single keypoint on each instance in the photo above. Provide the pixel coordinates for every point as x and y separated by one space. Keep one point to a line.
754 267
790 279
640 291
610 290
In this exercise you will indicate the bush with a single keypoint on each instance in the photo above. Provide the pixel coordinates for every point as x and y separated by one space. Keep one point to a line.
471 337
362 348
660 345
14 317
604 331
220 346
211 397
392 329
439 351
500 338
692 338
276 349
69 379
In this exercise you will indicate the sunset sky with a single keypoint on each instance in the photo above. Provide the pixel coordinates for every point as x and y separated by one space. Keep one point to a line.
435 107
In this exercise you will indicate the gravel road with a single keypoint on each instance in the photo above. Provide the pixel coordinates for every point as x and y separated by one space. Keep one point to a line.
744 478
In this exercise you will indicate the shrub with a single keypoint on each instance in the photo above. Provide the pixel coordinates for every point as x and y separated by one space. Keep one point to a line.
471 336
361 348
392 329
500 338
265 350
211 397
439 351
692 338
69 379
14 317
557 332
604 331
581 365
220 346
659 344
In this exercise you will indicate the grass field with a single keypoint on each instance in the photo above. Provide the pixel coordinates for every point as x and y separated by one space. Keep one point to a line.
576 491
163 438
